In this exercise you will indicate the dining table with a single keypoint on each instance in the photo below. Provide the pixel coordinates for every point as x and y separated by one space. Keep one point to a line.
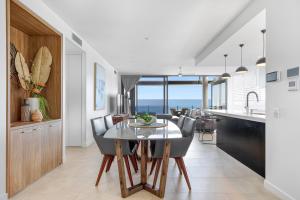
127 130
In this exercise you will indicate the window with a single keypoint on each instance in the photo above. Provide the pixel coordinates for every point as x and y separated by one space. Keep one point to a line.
184 92
150 95
219 95
157 94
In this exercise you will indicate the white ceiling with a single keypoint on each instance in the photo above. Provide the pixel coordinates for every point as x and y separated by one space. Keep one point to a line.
250 35
148 36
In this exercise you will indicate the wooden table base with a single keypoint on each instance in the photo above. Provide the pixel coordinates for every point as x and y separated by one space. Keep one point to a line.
125 192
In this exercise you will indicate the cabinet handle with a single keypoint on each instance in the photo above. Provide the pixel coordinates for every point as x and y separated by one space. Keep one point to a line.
34 129
22 132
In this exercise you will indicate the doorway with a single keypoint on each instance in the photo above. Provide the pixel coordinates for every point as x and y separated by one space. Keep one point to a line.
75 63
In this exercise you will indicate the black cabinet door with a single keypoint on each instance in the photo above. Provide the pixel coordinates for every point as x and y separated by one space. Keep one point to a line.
243 140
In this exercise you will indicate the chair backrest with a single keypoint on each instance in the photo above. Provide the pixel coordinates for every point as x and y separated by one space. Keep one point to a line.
180 121
108 121
99 129
173 111
184 111
98 126
188 127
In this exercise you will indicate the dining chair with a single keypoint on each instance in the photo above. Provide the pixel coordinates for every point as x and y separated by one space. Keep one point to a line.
133 158
108 121
181 121
179 148
107 148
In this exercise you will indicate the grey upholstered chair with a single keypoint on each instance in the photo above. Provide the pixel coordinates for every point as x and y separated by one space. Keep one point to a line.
107 148
179 148
108 121
180 121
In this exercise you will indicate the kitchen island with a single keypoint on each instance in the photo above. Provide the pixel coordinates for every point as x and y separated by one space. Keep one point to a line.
242 136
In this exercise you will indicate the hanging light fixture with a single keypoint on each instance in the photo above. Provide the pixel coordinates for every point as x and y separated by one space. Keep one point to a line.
262 61
180 72
241 69
225 75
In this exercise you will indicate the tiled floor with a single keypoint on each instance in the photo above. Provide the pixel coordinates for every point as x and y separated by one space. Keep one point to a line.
213 174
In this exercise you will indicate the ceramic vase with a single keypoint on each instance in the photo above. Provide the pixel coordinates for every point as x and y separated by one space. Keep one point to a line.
34 103
36 116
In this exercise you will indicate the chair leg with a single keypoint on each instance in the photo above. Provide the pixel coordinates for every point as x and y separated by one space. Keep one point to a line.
156 172
134 163
178 165
105 158
128 170
111 159
153 165
182 166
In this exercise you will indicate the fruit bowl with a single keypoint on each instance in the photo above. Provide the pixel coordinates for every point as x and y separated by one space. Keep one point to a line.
146 119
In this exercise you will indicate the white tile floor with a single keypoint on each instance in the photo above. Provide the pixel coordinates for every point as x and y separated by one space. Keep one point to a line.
213 174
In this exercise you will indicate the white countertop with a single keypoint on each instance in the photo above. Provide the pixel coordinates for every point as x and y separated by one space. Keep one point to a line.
240 115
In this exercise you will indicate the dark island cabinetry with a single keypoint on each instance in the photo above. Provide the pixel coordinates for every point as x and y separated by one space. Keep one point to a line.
244 140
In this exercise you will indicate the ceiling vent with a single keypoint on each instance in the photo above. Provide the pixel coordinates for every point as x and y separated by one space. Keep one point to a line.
76 39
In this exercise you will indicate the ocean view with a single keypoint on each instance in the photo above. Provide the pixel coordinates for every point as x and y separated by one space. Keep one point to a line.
157 105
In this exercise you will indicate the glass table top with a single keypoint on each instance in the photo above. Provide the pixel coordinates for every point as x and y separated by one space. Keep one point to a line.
124 131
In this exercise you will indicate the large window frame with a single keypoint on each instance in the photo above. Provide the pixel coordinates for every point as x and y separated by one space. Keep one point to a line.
166 82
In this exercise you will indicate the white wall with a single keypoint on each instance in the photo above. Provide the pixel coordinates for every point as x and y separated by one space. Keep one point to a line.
283 134
2 98
240 84
91 56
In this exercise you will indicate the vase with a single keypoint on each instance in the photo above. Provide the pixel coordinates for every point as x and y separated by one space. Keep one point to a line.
33 103
36 116
25 112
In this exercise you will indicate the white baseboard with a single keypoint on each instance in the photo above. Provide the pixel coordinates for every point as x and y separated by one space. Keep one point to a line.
278 192
3 196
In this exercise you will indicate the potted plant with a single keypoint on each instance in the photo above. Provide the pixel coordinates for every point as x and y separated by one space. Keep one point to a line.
33 83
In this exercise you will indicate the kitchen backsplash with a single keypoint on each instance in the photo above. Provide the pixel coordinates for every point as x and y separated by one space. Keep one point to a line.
240 84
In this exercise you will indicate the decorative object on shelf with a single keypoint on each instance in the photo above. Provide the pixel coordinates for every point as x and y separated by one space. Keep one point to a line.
41 67
34 83
180 72
262 61
23 71
225 75
13 70
25 112
242 69
145 119
37 116
99 87
33 103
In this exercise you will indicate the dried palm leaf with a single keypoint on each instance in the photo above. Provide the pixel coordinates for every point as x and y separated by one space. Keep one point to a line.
23 71
13 53
41 66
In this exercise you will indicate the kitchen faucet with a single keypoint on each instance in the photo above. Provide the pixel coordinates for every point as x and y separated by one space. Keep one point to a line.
247 100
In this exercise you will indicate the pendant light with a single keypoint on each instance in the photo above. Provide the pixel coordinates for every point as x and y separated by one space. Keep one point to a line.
180 72
262 61
225 75
241 69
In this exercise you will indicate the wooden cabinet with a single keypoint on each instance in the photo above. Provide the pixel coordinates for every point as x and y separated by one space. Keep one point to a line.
52 146
35 150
